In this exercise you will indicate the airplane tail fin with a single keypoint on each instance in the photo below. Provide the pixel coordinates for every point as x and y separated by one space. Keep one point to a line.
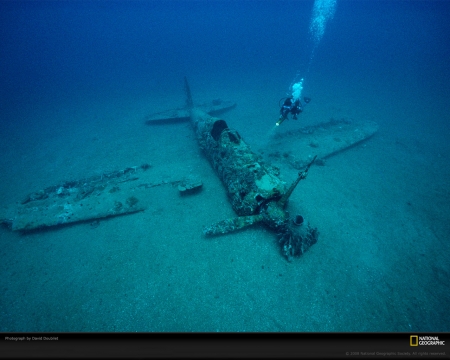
189 102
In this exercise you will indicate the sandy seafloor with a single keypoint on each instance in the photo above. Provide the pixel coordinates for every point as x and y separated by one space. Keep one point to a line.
382 210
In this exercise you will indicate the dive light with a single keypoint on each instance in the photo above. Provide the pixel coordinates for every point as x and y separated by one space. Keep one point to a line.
278 123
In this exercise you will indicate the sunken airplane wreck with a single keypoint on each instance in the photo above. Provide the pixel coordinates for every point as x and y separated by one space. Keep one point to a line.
254 188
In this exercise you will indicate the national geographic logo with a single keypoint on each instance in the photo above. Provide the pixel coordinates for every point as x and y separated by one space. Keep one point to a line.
416 340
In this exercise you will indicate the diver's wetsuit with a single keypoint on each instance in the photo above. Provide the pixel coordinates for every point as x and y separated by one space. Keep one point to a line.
294 108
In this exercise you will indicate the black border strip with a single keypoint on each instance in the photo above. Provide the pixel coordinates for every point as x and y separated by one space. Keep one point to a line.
218 345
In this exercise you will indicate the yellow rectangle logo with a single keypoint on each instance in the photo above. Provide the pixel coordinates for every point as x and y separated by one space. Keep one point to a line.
414 340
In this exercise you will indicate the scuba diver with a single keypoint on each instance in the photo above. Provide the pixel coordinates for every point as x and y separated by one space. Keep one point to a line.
291 106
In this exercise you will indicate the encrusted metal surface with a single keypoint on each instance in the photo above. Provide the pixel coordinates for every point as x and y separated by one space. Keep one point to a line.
255 191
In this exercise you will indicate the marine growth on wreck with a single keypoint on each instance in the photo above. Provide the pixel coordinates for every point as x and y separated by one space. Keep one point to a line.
255 191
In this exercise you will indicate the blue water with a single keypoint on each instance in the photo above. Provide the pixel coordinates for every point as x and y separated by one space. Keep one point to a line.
77 78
